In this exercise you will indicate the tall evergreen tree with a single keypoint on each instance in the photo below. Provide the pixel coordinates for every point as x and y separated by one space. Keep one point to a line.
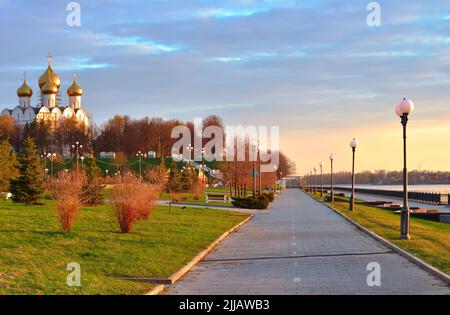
8 165
28 187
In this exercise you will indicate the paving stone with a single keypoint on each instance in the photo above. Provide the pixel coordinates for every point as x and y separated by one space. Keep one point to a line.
332 257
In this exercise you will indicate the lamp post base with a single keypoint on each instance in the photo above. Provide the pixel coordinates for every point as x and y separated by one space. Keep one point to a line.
404 224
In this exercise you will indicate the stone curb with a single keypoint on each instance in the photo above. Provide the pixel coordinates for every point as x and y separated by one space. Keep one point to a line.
156 290
425 266
180 273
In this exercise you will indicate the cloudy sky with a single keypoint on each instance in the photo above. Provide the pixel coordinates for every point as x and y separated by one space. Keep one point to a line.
313 67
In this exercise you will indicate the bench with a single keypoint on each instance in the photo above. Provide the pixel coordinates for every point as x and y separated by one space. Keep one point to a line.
215 197
5 195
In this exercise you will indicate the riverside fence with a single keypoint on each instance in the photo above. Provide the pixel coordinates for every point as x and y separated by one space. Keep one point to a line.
427 197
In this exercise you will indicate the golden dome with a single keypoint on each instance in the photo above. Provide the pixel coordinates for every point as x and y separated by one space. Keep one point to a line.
49 76
24 90
49 88
74 89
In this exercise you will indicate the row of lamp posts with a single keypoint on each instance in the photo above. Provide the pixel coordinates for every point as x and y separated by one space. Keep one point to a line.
403 110
77 147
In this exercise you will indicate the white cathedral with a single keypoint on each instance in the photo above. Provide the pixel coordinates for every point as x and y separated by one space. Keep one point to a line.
49 108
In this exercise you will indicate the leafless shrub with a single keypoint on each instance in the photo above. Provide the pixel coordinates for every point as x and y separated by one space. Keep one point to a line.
132 200
68 189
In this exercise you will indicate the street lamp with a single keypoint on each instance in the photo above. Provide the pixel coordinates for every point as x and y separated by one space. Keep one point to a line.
259 172
190 148
82 160
281 178
169 183
315 179
275 178
203 164
140 155
321 179
44 157
203 157
256 153
254 145
353 145
52 156
306 181
331 177
405 108
77 147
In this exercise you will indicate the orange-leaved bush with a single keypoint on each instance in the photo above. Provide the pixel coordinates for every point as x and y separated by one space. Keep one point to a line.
132 200
68 190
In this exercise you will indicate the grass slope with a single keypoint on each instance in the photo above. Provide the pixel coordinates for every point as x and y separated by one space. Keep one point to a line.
35 253
113 165
430 240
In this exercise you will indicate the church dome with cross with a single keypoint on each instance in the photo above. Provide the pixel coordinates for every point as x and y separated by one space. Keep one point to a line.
74 89
48 108
24 90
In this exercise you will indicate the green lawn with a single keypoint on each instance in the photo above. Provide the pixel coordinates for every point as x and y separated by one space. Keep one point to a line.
35 253
430 240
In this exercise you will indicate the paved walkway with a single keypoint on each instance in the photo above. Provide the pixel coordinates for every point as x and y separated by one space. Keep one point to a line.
300 246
